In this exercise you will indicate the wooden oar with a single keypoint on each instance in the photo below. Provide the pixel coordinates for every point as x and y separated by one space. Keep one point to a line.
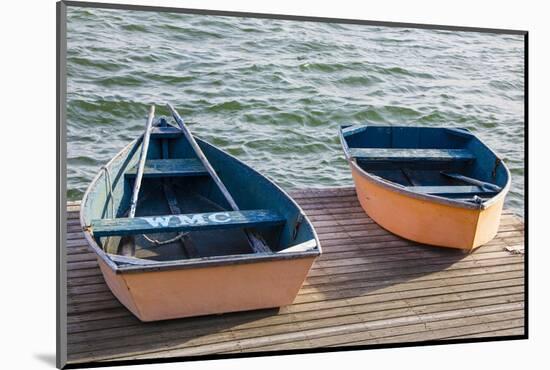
257 244
469 180
127 246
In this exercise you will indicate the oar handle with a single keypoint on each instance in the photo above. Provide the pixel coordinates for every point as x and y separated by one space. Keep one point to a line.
482 184
203 159
142 157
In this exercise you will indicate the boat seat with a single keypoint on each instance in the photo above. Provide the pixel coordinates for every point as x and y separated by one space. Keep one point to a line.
456 190
407 154
170 168
186 222
166 132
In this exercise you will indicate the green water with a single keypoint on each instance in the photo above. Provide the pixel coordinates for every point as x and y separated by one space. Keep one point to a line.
273 92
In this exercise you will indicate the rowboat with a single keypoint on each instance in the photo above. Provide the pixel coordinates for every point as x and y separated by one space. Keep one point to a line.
181 228
436 186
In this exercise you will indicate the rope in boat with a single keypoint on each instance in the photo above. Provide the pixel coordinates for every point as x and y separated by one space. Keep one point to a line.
163 242
149 239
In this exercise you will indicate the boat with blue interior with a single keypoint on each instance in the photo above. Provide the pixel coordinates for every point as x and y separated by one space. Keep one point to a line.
437 186
181 228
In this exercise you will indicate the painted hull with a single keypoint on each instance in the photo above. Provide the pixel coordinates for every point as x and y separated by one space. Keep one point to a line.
171 294
425 221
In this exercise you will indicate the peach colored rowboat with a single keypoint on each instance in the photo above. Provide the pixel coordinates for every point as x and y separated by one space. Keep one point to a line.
437 186
192 252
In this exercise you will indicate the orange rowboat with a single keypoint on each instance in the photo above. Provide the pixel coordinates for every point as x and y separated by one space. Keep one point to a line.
437 186
200 233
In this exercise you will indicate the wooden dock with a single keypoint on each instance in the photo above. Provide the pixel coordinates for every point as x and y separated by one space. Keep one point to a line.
369 287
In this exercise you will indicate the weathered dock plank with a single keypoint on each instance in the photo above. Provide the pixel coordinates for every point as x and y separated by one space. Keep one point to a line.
368 287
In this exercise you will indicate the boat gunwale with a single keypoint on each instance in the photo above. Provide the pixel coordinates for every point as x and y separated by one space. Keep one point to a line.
201 262
428 197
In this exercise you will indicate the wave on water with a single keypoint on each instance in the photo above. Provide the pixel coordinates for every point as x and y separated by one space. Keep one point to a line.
273 92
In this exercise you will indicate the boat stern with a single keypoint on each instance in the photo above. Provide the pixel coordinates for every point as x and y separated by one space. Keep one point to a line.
176 293
423 220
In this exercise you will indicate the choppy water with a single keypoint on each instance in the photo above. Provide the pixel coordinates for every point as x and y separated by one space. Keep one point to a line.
273 92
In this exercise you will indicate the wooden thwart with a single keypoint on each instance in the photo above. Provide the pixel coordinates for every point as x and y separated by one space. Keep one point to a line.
185 222
403 155
170 168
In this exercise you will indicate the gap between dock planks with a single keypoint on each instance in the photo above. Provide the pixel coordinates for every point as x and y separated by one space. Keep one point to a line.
368 287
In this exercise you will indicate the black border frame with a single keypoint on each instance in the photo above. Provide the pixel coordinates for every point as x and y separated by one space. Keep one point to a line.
61 173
